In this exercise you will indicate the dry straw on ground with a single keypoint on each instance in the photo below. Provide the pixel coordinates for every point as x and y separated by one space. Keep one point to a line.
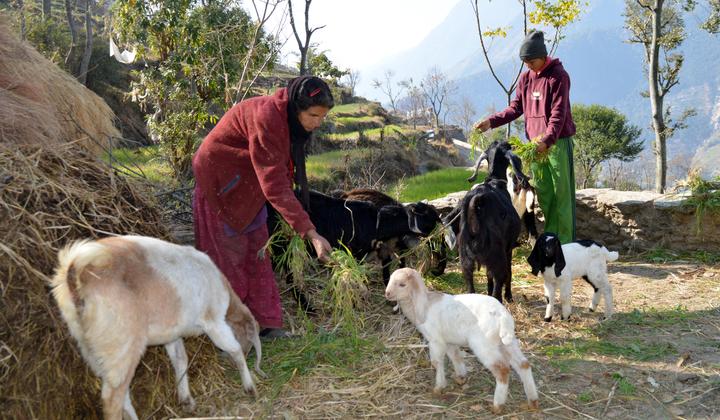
55 189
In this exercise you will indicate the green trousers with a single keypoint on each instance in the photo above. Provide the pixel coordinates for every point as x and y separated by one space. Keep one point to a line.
554 183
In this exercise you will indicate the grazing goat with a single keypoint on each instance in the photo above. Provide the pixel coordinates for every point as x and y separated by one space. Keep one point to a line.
119 295
448 322
423 215
489 226
360 225
560 264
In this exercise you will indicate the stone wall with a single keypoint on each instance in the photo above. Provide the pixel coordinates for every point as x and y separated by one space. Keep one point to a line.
634 220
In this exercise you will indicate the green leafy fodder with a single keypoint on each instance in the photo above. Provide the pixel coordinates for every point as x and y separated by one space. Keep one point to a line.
528 151
347 291
288 250
705 198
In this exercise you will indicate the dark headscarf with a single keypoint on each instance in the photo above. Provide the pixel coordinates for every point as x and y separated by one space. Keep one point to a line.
304 92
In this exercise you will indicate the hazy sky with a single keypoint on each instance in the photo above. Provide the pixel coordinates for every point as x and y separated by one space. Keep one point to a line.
361 32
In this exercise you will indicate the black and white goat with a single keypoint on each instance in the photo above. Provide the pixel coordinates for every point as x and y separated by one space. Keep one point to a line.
489 226
524 200
560 264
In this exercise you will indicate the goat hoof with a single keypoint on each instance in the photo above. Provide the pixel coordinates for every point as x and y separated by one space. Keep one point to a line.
251 390
460 380
497 409
437 391
548 318
592 310
188 404
534 405
563 318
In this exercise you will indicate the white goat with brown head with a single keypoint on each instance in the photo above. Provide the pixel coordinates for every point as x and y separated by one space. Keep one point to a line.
477 321
119 295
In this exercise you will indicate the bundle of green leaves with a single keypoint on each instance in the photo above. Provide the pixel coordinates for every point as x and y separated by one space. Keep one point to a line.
528 151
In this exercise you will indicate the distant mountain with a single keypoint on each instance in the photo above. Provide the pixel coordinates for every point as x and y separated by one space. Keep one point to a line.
604 69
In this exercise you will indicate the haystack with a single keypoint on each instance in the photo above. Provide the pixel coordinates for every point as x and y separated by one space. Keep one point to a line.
43 105
55 189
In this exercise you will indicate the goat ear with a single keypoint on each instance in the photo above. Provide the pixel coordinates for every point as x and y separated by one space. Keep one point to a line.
516 164
482 157
559 258
535 258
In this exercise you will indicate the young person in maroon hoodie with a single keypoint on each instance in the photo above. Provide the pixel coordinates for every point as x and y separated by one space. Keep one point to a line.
251 158
543 96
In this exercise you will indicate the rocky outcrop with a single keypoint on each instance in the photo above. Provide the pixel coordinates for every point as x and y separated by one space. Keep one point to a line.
635 220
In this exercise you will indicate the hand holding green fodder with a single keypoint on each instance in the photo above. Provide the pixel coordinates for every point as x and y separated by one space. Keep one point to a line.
528 151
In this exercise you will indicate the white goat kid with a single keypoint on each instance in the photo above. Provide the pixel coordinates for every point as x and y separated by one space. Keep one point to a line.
119 295
476 321
561 264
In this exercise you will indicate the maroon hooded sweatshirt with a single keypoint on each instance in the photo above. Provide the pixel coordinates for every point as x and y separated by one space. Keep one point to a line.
544 99
245 160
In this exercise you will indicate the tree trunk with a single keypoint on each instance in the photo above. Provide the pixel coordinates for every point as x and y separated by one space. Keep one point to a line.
507 127
73 33
21 7
85 63
46 9
656 100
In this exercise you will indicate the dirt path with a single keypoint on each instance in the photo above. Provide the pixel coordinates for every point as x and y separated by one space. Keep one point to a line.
658 358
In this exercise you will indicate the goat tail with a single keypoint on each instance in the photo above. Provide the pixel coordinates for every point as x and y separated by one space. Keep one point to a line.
507 328
610 255
258 356
72 261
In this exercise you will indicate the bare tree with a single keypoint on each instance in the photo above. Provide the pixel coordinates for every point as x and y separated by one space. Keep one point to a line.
353 78
415 103
303 47
46 9
465 114
69 9
387 87
437 89
268 9
85 62
556 16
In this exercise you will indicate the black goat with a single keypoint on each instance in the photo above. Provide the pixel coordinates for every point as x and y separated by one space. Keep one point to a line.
488 225
360 225
423 219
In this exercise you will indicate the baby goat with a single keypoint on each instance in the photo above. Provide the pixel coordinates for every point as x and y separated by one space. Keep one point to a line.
476 321
119 295
560 264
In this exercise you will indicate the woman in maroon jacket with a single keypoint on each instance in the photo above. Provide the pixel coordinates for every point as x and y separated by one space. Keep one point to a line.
251 157
543 97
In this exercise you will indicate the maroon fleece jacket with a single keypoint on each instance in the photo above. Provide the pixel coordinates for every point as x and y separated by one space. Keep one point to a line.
544 98
245 161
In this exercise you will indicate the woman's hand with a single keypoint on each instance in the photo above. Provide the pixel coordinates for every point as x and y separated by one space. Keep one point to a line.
321 245
483 125
541 146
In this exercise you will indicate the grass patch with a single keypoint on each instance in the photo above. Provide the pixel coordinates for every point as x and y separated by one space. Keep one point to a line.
651 318
449 282
434 184
146 162
624 386
342 353
372 133
585 397
662 256
355 110
325 165
636 349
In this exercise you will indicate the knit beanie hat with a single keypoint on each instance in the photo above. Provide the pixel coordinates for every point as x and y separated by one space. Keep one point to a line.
533 46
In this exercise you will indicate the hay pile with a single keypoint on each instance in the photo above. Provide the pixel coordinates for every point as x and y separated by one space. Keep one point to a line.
55 189
41 104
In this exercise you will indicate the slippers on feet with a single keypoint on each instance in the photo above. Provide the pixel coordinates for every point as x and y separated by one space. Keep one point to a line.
275 333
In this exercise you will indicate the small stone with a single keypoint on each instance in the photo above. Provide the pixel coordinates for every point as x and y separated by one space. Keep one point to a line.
677 411
708 274
687 378
666 397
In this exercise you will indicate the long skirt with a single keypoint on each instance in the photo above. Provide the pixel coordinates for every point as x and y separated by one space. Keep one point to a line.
236 255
